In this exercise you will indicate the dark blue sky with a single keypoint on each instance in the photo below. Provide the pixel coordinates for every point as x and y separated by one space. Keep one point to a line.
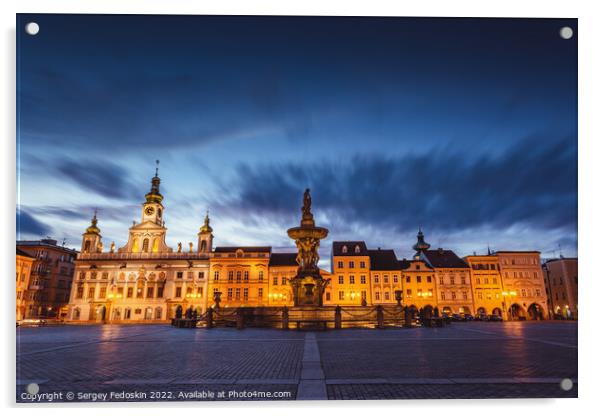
467 127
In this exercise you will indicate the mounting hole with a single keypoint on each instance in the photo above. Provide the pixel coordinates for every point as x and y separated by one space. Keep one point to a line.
32 28
566 32
33 388
566 384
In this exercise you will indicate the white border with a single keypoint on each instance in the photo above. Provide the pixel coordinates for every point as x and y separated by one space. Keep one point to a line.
590 232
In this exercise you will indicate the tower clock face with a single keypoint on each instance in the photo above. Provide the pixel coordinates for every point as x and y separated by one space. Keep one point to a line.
149 211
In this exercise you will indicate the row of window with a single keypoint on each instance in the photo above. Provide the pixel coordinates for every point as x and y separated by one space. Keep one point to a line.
524 260
486 280
240 276
105 275
351 264
138 292
521 275
350 295
561 282
352 280
490 266
453 295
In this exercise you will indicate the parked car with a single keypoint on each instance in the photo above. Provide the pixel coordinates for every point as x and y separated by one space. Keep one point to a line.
495 318
32 322
457 317
481 317
468 317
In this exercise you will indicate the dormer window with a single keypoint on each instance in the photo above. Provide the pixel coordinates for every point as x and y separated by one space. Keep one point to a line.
344 250
357 249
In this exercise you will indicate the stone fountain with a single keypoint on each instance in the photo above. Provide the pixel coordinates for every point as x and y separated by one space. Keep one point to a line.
308 285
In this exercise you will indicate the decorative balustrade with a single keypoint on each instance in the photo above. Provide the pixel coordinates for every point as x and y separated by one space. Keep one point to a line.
143 256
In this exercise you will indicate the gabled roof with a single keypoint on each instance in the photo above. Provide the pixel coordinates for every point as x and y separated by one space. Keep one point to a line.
444 259
383 260
406 264
245 249
338 248
283 259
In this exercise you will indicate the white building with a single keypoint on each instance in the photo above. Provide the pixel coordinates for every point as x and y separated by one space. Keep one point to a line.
145 280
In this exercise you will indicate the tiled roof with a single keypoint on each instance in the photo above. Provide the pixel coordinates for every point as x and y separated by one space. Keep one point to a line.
44 243
283 259
383 260
516 252
405 264
338 248
444 259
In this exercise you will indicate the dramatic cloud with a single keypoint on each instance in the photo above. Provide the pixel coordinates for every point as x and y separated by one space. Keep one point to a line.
101 177
533 183
28 226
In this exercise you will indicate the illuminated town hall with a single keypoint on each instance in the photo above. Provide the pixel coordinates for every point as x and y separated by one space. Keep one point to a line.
148 281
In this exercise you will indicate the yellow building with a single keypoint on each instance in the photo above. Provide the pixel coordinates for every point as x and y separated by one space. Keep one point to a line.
282 268
562 281
145 280
23 271
486 284
419 285
452 279
385 277
524 289
240 275
350 283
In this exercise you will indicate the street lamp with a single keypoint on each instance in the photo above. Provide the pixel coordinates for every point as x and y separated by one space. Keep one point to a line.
509 294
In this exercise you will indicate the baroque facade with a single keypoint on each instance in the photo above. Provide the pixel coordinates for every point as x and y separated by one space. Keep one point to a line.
145 280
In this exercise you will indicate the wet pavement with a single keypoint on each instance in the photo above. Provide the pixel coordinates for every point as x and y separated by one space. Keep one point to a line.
156 362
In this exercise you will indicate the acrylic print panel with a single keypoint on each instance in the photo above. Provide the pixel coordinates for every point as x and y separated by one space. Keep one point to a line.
293 208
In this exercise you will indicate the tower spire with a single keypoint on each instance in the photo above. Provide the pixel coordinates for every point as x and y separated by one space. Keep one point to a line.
93 228
420 245
206 228
154 195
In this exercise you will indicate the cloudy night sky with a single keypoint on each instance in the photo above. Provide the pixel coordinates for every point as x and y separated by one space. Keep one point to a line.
465 127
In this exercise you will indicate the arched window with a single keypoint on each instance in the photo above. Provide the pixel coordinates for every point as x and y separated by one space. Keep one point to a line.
145 245
76 313
203 246
87 246
357 249
344 250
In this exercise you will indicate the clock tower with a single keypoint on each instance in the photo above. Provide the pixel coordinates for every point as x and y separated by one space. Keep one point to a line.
152 209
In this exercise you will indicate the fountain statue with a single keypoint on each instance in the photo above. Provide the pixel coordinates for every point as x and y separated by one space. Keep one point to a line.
308 285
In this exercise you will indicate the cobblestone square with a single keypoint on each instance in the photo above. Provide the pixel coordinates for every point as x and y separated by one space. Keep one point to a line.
158 362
